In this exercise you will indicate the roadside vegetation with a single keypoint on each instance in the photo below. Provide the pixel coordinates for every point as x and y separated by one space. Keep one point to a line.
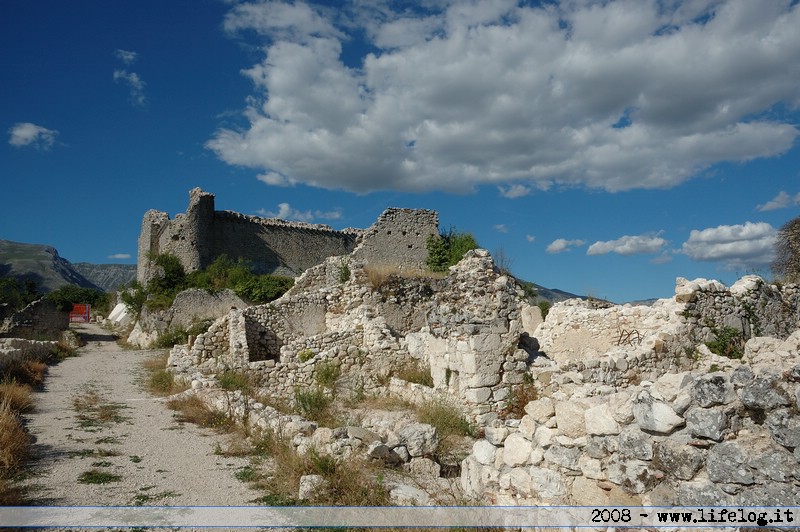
17 382
223 273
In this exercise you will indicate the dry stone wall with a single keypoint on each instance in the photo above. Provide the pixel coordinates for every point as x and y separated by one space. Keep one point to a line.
702 438
40 319
189 308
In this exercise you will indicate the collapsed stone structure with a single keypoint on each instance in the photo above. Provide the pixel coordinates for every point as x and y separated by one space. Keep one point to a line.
634 409
271 245
39 319
466 328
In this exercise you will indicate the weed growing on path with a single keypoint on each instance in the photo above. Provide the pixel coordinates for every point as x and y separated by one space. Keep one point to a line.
95 476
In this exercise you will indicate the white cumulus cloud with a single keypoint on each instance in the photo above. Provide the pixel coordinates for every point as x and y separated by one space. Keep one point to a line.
613 95
120 256
530 238
500 228
29 134
560 245
628 245
781 201
735 246
287 212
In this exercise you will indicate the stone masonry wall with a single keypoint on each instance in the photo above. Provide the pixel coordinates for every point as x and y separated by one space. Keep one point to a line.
694 438
399 238
201 234
40 319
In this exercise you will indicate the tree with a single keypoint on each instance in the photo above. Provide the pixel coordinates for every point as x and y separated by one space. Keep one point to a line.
448 248
786 265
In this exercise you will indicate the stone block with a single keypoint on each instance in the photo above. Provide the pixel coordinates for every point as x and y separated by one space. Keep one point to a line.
655 416
570 418
516 450
600 421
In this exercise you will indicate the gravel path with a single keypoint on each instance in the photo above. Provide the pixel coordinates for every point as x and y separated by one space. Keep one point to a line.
94 416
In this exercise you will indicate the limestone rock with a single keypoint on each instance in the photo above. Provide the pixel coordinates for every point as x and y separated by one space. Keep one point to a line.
677 459
419 439
727 463
635 444
633 476
516 450
405 495
711 390
547 484
765 393
541 409
599 421
707 423
655 416
570 418
484 452
308 485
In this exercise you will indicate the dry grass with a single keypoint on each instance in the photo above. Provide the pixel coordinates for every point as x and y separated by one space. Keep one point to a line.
17 395
416 372
521 395
30 372
192 409
159 381
379 274
14 439
347 483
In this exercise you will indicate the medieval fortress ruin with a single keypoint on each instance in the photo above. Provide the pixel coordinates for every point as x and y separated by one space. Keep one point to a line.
631 406
271 245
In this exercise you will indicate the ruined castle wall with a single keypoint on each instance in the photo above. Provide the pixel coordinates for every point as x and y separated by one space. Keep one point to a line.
284 248
201 234
399 238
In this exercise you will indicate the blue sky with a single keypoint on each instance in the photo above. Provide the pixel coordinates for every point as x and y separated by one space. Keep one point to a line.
606 147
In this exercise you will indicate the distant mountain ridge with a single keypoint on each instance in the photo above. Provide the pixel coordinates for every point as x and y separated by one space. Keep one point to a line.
108 277
43 265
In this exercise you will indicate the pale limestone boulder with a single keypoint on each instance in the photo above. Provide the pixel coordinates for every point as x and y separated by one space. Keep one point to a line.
496 432
405 495
589 492
655 416
544 437
516 450
600 421
570 418
308 485
669 385
547 484
621 406
484 452
520 481
527 427
419 439
541 409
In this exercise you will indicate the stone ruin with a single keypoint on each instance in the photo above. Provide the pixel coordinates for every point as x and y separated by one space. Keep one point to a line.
632 409
272 245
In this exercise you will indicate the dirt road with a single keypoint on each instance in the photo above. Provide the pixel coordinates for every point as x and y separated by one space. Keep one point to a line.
102 440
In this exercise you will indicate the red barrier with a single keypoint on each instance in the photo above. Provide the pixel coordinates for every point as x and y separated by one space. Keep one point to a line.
80 313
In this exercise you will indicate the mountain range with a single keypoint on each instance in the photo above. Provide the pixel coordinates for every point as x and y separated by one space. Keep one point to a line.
43 265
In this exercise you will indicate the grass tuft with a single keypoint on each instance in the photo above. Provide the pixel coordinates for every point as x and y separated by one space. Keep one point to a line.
95 476
192 409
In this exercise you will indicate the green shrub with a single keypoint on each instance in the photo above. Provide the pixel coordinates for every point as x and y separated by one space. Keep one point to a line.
729 342
448 248
234 380
66 296
344 271
172 337
313 404
17 294
327 373
544 308
305 355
